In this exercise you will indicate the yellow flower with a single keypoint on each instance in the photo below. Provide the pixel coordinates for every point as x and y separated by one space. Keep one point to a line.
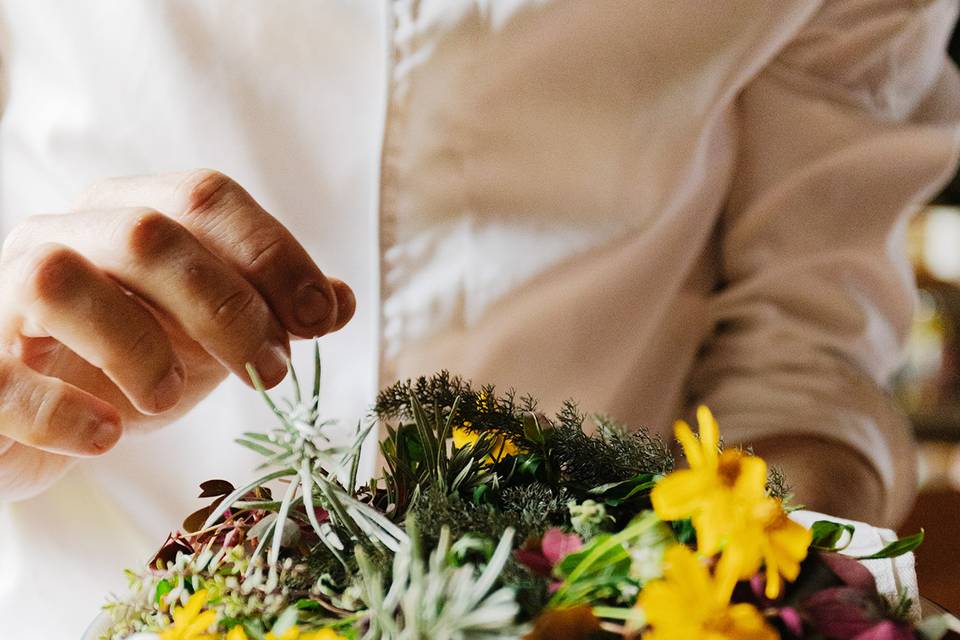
724 494
688 603
189 623
501 446
237 633
293 633
766 535
715 490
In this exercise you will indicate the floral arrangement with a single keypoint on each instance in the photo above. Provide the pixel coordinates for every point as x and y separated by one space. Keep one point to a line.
491 520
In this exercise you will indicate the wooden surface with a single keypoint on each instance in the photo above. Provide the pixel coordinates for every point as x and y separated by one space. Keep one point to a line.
937 511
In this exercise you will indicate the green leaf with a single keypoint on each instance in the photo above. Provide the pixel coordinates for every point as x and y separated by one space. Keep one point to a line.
616 493
163 588
827 535
897 547
684 531
531 428
614 561
253 446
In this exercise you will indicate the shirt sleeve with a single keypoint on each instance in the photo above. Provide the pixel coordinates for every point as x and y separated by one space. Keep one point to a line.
841 137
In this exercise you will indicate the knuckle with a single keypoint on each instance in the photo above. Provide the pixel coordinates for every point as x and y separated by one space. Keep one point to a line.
50 408
205 187
55 273
263 249
145 346
151 234
239 305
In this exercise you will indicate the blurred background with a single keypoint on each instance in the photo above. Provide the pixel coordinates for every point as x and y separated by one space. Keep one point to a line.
928 389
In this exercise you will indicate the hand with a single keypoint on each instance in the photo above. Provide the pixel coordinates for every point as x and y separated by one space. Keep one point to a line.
127 312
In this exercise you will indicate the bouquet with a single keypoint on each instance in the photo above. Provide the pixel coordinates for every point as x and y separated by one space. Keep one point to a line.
492 520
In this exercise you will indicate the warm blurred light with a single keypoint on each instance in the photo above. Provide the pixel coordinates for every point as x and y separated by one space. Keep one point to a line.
941 242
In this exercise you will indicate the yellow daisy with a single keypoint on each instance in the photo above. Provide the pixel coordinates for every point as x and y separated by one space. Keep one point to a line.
688 603
769 536
724 494
716 488
293 633
189 623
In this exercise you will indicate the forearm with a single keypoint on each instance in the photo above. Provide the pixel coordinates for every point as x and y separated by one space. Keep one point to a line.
826 476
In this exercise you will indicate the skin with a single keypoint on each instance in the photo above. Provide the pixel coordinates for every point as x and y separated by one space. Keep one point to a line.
124 313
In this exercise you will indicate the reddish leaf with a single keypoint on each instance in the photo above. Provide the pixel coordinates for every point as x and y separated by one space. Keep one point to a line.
214 488
887 630
842 613
535 561
850 571
168 552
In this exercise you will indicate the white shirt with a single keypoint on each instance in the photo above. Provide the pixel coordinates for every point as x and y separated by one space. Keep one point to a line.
641 205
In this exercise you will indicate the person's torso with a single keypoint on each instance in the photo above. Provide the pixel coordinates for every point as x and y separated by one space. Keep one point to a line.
520 191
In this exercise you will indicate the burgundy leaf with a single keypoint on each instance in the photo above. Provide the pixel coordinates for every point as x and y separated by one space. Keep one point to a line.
168 552
887 630
850 571
842 613
534 560
214 488
194 522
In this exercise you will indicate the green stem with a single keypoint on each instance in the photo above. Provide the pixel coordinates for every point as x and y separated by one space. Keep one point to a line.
598 552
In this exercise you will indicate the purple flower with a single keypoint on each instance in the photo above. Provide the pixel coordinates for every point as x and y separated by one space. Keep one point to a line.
849 613
791 619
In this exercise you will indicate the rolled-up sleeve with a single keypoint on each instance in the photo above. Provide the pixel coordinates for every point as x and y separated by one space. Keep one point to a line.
841 137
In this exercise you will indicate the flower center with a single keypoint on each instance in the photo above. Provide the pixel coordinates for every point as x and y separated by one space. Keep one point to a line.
728 468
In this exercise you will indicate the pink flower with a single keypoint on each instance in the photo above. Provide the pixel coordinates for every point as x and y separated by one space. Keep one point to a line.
543 555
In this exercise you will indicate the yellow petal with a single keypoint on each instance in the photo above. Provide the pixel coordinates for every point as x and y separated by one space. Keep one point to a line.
462 437
752 480
749 624
716 521
183 615
709 433
684 569
792 538
322 634
772 590
737 562
691 446
200 624
237 633
679 495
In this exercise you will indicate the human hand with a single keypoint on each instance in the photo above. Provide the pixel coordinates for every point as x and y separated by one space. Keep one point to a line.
118 317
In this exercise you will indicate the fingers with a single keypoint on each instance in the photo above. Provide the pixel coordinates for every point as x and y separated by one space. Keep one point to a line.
230 223
49 414
68 298
26 472
160 261
346 302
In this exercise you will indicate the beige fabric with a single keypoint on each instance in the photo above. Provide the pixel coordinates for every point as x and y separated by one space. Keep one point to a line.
643 205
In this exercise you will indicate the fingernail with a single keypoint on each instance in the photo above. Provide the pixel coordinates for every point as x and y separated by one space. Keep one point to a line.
311 306
104 435
271 364
167 392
